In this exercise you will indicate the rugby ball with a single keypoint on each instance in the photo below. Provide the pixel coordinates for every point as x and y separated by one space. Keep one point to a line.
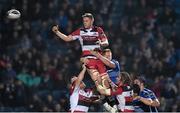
13 14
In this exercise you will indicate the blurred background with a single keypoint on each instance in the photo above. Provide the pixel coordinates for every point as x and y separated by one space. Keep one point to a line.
35 66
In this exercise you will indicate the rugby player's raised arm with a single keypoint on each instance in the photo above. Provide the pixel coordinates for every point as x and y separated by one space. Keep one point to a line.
64 37
147 101
81 75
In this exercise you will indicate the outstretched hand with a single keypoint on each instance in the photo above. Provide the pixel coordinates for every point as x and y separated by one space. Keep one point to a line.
55 28
84 66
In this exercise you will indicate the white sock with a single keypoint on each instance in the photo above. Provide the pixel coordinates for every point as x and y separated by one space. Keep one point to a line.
107 106
115 107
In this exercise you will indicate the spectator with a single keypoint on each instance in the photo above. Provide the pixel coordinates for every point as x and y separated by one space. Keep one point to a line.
21 95
50 103
35 104
30 80
8 93
170 89
46 82
10 73
57 107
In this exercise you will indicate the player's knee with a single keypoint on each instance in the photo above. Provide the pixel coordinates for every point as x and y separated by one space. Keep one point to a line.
104 75
94 73
105 83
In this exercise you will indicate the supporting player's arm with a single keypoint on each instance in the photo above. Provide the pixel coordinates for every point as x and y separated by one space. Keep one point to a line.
81 75
106 61
155 103
61 35
148 101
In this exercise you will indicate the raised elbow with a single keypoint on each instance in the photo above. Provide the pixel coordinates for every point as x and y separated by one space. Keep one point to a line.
111 65
67 39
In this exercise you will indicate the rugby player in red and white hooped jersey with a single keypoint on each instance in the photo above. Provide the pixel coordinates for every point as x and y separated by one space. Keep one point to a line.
91 38
123 93
80 98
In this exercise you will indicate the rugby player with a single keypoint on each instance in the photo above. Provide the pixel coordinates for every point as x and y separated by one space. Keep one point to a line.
91 38
80 98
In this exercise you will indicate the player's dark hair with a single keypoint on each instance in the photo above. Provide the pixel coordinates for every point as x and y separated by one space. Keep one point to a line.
141 79
106 50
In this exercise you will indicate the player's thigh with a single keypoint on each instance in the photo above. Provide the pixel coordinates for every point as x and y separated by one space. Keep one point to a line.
101 67
94 74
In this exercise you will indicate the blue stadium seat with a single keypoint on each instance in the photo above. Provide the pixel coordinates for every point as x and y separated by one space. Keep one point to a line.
56 94
43 93
6 109
20 109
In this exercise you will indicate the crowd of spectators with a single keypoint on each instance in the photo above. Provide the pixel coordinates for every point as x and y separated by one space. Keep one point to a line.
35 66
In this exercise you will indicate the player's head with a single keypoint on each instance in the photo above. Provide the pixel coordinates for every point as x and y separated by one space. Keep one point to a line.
124 78
139 81
73 80
107 53
88 20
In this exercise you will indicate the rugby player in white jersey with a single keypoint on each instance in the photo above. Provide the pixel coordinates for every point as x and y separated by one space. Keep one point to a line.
80 98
